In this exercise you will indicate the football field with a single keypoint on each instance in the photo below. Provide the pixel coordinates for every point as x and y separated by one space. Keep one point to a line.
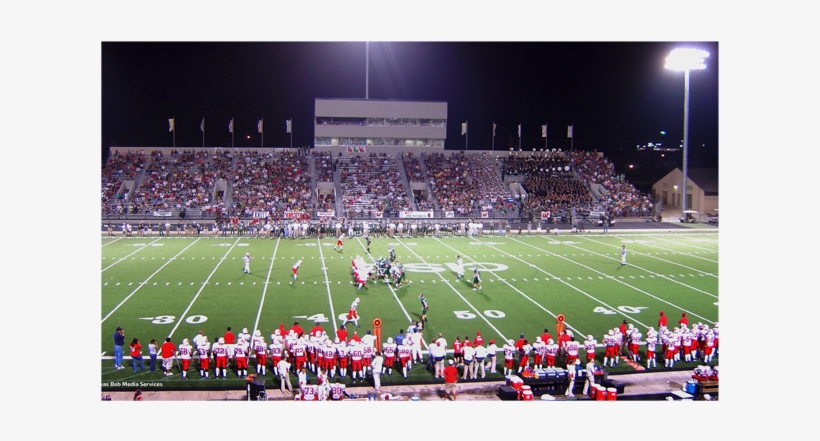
158 287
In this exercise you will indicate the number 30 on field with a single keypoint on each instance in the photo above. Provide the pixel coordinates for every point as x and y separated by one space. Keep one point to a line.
166 319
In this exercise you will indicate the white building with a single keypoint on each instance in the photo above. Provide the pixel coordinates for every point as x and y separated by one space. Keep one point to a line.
701 189
367 125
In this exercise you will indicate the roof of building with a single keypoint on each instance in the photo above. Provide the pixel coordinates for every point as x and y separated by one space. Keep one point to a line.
706 179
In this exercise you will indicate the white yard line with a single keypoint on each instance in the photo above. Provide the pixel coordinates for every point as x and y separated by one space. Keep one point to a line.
406 314
109 243
655 246
647 255
265 289
613 308
144 282
123 258
684 244
203 285
607 276
443 279
327 283
662 276
517 290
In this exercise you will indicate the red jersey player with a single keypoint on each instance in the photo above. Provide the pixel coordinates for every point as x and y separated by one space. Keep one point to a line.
220 352
509 353
295 268
389 351
185 353
203 350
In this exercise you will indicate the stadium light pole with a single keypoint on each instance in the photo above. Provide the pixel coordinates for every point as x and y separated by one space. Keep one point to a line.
686 59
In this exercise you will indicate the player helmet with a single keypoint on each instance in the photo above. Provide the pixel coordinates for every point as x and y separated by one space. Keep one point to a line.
221 340
550 341
185 342
611 332
244 330
276 332
510 342
357 299
390 339
538 339
589 337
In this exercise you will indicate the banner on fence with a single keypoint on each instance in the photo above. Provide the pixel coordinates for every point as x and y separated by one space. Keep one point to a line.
415 214
484 214
260 214
378 214
355 149
449 214
162 213
545 215
326 213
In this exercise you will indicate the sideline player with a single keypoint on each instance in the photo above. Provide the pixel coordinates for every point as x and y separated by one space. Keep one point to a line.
185 353
476 278
203 349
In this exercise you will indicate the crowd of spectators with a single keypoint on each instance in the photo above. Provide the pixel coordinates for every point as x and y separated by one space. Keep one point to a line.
372 184
452 186
541 163
184 180
490 185
120 167
324 166
623 199
273 182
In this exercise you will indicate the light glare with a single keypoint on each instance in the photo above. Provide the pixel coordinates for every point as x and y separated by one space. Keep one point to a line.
686 59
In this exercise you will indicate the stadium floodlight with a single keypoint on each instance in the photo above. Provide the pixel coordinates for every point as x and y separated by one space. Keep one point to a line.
686 59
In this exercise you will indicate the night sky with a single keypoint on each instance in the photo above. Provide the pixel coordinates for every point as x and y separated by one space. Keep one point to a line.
617 94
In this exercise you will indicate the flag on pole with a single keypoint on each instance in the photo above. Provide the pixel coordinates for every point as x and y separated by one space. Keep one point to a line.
519 130
202 125
170 124
569 131
259 126
464 128
230 126
288 126
493 129
544 131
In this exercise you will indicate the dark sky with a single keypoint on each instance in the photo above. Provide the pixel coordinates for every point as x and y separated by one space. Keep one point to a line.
616 94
